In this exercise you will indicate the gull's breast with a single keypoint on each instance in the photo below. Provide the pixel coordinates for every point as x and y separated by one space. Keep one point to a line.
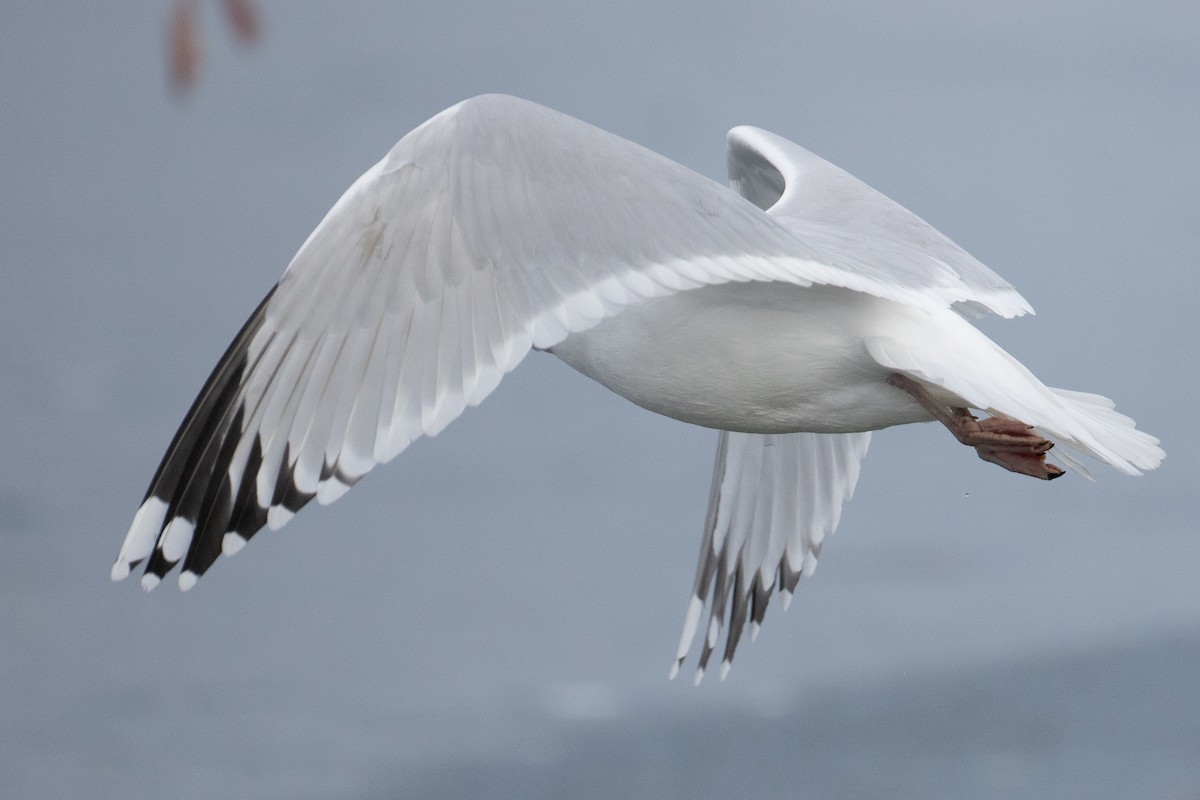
754 357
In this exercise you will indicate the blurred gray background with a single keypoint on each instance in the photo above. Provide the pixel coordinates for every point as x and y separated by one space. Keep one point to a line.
494 613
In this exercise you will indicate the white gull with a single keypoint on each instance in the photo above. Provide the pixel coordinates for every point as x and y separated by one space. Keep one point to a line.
794 313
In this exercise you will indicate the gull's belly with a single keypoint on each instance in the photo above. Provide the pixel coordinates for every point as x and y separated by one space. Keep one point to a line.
754 357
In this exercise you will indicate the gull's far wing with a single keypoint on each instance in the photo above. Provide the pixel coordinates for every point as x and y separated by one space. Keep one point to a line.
884 248
495 226
775 497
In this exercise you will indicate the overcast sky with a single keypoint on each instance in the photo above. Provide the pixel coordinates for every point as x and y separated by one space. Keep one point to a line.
496 596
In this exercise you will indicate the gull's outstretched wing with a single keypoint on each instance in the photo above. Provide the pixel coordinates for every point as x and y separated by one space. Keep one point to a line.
863 231
775 497
495 226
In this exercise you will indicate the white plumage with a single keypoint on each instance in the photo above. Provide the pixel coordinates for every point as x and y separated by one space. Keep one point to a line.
781 312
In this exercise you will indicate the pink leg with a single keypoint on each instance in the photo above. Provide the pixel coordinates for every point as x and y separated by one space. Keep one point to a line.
1008 442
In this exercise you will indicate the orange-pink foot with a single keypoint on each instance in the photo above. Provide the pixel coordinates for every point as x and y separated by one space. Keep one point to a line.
1009 443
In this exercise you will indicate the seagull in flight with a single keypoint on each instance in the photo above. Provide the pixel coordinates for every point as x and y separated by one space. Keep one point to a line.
794 311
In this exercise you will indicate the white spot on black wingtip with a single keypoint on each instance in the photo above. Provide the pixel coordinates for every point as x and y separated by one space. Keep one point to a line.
699 676
277 517
120 571
725 667
691 621
331 489
149 581
176 539
187 579
787 598
232 543
144 531
714 631
288 494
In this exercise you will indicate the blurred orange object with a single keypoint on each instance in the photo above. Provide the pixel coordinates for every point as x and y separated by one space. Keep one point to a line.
184 43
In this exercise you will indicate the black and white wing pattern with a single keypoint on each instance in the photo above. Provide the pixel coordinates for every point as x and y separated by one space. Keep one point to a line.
495 226
775 497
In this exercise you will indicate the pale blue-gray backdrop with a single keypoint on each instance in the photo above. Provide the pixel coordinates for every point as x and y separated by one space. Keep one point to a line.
494 613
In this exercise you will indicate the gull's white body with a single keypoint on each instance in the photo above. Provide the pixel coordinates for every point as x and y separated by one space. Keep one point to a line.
759 357
775 311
